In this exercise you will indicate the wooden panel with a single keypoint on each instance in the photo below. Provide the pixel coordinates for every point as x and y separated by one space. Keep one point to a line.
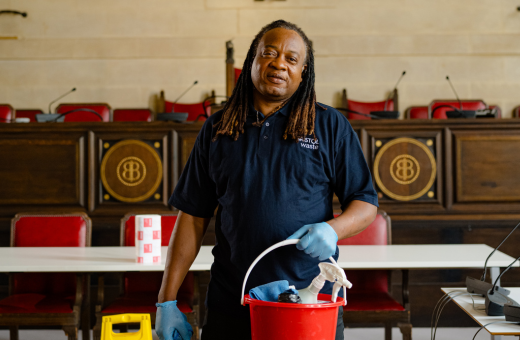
487 168
151 146
426 193
42 171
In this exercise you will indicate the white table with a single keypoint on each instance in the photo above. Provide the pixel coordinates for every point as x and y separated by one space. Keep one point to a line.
466 304
122 259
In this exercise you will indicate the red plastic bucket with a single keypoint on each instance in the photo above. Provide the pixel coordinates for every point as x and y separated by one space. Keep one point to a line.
293 321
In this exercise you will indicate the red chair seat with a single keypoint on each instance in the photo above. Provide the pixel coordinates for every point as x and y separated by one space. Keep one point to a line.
368 301
37 303
141 303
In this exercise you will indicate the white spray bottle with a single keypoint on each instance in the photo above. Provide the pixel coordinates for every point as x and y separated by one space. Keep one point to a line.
328 272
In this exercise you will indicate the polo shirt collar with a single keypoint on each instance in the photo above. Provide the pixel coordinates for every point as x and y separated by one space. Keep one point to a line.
284 110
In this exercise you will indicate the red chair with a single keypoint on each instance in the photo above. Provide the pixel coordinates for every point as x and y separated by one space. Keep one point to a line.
195 111
139 293
43 299
85 116
238 71
132 115
437 108
28 113
6 113
369 300
367 107
417 112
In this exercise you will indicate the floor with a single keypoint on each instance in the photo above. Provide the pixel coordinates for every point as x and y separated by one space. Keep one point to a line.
354 333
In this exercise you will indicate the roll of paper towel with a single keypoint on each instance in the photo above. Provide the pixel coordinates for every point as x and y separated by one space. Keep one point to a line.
148 239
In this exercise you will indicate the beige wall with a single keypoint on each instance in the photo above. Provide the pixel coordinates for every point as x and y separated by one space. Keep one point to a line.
125 51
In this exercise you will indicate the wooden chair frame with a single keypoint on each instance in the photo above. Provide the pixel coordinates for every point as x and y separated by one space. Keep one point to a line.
388 318
193 318
70 322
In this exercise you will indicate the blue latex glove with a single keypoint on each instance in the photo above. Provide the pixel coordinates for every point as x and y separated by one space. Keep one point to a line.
171 323
318 240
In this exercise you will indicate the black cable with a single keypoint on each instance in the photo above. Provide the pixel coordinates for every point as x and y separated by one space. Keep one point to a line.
77 110
446 105
483 277
499 276
491 324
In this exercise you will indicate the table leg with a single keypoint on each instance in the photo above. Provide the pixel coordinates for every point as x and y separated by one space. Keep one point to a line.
85 318
495 273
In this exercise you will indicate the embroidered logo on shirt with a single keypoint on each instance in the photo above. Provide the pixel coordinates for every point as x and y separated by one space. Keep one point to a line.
309 143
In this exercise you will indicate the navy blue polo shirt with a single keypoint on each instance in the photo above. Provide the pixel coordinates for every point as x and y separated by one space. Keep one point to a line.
265 189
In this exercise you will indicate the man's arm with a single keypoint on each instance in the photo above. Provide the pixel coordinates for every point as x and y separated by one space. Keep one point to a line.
354 219
184 246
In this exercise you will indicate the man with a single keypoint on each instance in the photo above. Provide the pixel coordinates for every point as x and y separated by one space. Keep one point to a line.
271 161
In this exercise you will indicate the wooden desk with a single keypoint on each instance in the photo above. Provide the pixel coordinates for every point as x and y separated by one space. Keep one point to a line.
480 316
467 167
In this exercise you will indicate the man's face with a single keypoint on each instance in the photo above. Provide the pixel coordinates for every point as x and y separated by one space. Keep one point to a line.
279 64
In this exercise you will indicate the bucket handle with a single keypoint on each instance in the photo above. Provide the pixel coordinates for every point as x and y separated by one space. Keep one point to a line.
273 247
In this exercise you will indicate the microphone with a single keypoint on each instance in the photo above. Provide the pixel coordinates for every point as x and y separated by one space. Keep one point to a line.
189 88
495 300
456 95
63 95
458 113
480 286
395 88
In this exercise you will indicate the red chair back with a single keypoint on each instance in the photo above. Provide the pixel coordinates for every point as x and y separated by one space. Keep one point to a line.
85 116
238 71
132 115
194 110
46 230
28 113
6 113
367 107
417 112
151 283
440 113
377 233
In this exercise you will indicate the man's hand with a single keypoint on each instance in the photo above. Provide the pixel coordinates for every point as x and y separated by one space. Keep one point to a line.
317 240
170 322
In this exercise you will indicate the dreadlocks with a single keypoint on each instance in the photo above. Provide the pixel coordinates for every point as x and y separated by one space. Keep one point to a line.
302 109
